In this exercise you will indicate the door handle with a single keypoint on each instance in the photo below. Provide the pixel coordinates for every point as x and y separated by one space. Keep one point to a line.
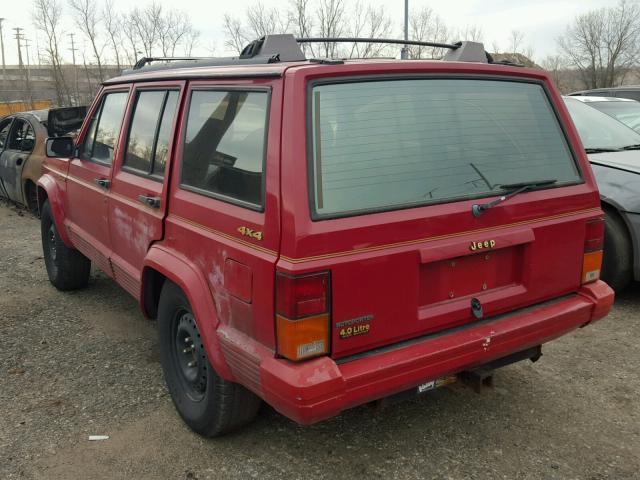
102 182
153 202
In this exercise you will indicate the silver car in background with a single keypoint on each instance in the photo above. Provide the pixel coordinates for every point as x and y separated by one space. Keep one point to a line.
624 110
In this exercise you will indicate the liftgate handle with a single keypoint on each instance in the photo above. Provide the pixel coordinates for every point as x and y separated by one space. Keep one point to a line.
153 202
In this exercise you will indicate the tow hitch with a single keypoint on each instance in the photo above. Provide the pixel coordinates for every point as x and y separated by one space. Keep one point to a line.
481 377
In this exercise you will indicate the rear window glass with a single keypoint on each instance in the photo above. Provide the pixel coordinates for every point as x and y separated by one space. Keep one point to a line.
388 144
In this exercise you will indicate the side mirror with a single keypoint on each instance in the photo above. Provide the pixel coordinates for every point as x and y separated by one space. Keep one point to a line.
27 144
60 147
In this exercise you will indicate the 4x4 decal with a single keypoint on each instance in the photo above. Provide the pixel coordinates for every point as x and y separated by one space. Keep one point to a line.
248 232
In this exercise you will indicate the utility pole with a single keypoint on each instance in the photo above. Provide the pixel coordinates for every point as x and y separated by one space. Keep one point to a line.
75 68
4 67
18 37
27 42
28 72
404 53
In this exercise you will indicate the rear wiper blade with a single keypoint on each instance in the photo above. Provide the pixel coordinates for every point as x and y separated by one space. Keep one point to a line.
515 188
632 147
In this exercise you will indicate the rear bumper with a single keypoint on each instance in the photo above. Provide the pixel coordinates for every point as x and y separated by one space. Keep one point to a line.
318 389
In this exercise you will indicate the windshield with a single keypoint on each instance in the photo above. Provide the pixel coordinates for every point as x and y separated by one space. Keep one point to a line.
385 144
625 112
598 130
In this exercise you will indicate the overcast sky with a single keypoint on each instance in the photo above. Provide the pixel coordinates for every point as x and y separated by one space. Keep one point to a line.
542 21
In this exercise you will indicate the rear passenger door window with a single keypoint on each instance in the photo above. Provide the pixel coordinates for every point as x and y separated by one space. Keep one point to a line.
148 141
224 145
102 134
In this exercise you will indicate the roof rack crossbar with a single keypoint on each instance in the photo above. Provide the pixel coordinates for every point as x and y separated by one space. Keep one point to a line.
450 46
147 60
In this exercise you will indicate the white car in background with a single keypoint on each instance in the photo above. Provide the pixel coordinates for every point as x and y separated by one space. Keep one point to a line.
624 110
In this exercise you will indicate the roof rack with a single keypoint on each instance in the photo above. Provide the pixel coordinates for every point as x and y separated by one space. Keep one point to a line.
375 40
286 48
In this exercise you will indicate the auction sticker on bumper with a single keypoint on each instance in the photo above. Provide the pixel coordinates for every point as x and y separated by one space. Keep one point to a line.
437 383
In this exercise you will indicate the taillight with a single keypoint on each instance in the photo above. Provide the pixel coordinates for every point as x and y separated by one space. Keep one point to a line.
302 315
593 244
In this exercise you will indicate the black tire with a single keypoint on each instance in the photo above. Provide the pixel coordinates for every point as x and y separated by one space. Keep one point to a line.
208 404
67 268
617 262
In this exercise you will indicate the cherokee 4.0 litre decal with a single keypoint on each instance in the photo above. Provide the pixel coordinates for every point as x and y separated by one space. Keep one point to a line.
354 326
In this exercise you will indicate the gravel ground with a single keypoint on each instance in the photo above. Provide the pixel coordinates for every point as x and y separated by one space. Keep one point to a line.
85 363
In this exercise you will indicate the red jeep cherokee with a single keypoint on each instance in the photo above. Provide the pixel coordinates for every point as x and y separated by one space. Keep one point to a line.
322 233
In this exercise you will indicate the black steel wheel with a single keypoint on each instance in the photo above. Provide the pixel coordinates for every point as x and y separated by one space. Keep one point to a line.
189 356
66 267
207 403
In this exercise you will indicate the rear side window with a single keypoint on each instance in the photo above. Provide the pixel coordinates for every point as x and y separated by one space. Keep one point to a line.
148 142
387 144
223 153
632 94
104 130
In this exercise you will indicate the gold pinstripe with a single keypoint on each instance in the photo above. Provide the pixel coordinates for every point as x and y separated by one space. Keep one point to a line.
435 238
224 235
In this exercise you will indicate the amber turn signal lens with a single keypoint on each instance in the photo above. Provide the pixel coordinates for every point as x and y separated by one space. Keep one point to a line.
591 265
304 338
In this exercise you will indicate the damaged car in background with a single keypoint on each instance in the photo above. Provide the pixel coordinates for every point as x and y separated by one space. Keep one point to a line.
22 149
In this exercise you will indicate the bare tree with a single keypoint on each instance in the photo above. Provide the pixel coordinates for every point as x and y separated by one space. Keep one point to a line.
515 41
260 21
174 29
147 24
46 18
427 26
190 41
302 22
130 33
369 22
113 25
235 36
469 33
263 21
330 14
85 15
603 44
556 65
